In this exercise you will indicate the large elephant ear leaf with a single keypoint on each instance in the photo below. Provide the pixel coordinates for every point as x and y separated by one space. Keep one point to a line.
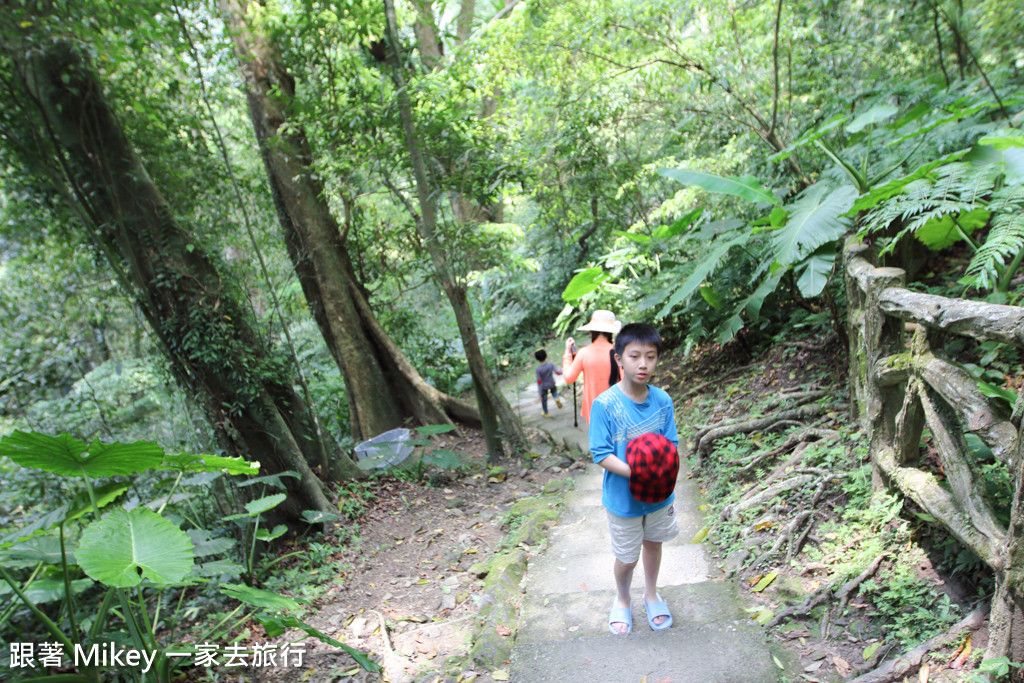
815 219
816 271
127 546
70 457
746 187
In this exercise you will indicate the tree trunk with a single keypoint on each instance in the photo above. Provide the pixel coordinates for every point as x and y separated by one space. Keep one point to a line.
383 386
489 397
205 330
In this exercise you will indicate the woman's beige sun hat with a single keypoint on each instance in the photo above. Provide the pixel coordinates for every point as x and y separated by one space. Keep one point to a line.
603 321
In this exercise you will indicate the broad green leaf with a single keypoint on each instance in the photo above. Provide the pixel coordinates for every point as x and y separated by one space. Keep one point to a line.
47 589
67 456
751 306
870 650
42 548
217 568
942 232
583 283
258 597
204 546
664 232
729 328
815 219
40 525
272 479
877 113
815 271
992 391
268 535
639 239
1002 142
1009 156
746 187
713 298
894 187
435 429
701 535
105 495
319 516
266 503
277 624
701 272
187 462
127 546
764 582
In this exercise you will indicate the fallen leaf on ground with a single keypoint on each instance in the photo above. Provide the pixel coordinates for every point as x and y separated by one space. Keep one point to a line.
963 652
870 650
764 583
842 666
503 630
922 675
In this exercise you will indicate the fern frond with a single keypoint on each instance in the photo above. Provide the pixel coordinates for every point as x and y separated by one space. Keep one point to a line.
1005 240
953 189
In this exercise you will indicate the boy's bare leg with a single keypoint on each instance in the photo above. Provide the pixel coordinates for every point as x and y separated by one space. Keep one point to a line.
623 579
652 566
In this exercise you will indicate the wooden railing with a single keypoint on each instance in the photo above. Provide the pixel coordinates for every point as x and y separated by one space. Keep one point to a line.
900 384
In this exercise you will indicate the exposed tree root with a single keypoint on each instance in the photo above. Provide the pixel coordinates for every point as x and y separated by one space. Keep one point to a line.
785 535
907 664
826 593
705 438
844 593
767 494
808 435
796 399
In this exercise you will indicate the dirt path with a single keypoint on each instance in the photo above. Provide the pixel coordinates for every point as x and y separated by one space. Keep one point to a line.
404 591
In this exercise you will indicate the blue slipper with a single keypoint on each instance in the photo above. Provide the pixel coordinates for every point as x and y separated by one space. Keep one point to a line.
621 615
658 609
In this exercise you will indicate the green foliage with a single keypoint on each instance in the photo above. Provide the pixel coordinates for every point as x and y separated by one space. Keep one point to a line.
130 555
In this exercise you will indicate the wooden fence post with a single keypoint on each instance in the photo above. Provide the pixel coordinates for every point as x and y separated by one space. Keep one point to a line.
883 337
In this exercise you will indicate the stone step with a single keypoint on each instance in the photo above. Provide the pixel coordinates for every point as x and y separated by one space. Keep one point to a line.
570 572
584 614
691 651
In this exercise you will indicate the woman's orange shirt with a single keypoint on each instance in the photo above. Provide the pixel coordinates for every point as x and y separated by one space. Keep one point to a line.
595 362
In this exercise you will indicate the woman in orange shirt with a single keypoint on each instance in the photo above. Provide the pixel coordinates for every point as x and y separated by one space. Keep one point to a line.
596 362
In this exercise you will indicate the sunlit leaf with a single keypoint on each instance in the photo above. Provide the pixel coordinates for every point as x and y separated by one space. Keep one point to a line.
68 456
746 187
583 283
764 582
127 546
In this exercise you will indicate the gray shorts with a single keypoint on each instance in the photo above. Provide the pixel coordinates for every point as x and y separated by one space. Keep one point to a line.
629 533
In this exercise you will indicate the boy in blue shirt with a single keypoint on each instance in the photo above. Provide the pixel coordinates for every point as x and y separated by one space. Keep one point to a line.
628 410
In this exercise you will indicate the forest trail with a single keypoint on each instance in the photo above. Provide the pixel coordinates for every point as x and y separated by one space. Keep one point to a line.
563 633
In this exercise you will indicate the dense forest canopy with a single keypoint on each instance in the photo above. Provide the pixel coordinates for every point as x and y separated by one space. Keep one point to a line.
272 230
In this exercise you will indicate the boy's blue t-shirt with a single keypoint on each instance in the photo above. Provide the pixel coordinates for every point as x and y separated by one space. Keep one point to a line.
615 419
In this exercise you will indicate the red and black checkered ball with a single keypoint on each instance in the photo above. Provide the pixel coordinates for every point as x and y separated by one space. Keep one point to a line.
654 465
